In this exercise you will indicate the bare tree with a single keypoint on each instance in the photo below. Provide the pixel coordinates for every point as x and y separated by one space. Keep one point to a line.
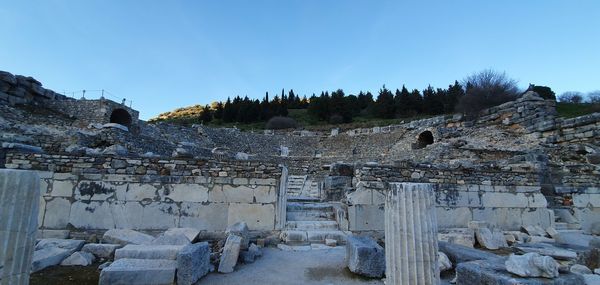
486 89
594 97
571 97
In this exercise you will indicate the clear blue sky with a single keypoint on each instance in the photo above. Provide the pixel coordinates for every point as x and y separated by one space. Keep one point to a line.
169 54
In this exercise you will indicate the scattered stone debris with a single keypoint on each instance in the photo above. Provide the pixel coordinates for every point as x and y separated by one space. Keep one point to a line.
580 269
139 271
230 254
532 265
133 251
79 258
193 262
101 250
489 239
177 236
444 262
126 236
49 252
365 257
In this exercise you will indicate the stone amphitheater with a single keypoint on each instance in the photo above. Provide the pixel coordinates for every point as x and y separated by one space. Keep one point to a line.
512 197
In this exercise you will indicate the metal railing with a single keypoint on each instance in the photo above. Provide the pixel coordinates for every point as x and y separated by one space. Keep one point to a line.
97 94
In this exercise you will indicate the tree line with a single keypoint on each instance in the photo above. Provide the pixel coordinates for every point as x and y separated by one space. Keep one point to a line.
337 107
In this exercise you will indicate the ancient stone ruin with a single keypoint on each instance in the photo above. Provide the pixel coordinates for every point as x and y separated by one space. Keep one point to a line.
178 204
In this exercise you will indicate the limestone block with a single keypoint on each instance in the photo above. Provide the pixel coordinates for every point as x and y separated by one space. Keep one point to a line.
62 188
78 259
19 194
365 257
139 271
101 250
185 193
256 216
239 194
230 254
148 251
489 239
49 252
538 216
453 217
504 218
366 217
265 194
586 200
504 200
444 262
587 217
160 216
41 211
251 254
537 200
99 191
532 265
177 236
459 253
127 215
239 229
209 217
139 192
193 262
92 215
494 272
461 236
126 236
57 213
360 197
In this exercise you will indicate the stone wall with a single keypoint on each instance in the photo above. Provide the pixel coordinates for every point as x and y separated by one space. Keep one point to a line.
92 111
19 89
85 193
507 207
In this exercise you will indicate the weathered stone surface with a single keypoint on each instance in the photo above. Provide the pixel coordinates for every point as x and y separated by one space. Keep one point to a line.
49 252
251 254
580 269
549 250
459 253
139 271
534 230
126 236
365 257
591 279
148 252
19 206
486 272
193 262
101 250
330 242
462 236
489 239
78 259
532 265
444 262
230 255
177 236
573 238
240 229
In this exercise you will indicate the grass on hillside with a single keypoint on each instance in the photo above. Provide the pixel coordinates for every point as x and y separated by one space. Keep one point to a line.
571 110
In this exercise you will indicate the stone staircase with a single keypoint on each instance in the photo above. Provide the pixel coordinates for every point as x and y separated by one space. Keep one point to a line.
299 186
311 222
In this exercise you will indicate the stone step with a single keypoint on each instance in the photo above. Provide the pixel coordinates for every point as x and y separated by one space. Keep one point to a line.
298 206
304 237
310 216
312 225
567 226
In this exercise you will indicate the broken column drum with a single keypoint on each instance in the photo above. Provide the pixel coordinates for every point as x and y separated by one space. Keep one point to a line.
19 206
411 235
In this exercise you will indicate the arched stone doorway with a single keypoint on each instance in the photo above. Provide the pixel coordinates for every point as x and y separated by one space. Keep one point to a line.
121 116
424 139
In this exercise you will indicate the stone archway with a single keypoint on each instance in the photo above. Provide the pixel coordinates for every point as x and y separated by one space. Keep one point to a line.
424 139
121 116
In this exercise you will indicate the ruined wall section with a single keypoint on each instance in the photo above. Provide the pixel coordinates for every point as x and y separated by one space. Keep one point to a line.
19 89
92 193
92 111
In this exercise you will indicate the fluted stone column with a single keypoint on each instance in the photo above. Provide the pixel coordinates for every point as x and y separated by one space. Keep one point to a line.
19 206
411 235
